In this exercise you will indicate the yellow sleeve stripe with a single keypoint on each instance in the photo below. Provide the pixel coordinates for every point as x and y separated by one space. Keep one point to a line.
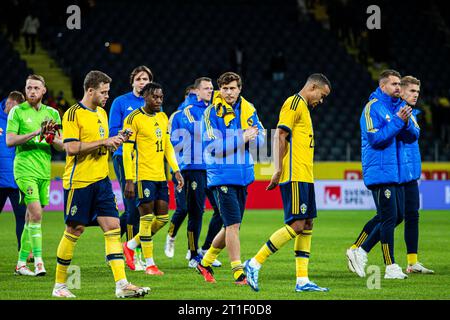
415 122
295 102
71 112
132 115
209 129
173 115
369 123
169 127
188 114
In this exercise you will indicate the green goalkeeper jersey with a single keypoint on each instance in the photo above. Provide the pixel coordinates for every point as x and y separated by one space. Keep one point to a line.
33 158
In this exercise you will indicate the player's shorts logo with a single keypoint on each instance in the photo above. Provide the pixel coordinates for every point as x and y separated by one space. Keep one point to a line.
158 133
224 189
73 210
30 190
146 193
387 193
303 208
194 185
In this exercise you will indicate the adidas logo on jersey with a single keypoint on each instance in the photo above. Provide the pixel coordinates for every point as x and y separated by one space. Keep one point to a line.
29 120
130 108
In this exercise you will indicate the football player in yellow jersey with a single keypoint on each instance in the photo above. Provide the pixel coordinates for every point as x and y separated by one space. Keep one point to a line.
294 152
151 142
88 196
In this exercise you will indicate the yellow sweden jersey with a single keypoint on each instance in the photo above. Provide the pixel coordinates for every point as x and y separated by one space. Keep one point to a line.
151 141
82 124
298 161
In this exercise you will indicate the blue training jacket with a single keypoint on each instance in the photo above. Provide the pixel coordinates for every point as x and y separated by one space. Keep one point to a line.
186 133
381 155
225 163
121 107
409 153
7 154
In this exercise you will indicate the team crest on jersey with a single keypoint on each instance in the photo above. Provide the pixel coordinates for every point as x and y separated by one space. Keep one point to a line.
101 130
303 208
194 185
30 190
387 193
146 193
388 118
73 210
224 189
158 133
250 122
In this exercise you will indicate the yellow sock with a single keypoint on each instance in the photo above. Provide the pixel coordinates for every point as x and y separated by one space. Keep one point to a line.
354 246
302 248
237 268
137 239
412 258
64 256
210 256
159 222
278 239
114 254
130 234
145 234
150 250
171 229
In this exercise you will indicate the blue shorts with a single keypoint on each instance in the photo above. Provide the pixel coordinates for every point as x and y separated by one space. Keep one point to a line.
84 205
231 203
148 191
299 201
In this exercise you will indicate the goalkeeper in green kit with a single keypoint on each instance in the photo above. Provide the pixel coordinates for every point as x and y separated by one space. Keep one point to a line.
32 128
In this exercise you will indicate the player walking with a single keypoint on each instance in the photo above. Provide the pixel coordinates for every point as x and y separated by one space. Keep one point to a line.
294 153
28 124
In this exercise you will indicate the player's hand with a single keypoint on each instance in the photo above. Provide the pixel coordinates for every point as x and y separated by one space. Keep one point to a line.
180 181
113 143
404 113
250 134
48 131
125 134
129 189
274 181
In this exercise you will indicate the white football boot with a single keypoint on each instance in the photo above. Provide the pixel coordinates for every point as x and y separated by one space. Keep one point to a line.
131 291
61 291
418 268
358 259
394 271
169 248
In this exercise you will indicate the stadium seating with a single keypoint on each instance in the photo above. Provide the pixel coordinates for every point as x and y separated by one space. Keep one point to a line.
182 40
12 68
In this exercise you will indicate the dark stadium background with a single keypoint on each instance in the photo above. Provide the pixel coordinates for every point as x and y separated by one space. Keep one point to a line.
183 40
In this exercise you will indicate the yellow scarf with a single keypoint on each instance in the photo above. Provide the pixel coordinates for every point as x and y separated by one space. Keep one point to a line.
225 111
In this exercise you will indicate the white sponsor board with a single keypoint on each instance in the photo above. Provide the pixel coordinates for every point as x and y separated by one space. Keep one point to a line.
342 195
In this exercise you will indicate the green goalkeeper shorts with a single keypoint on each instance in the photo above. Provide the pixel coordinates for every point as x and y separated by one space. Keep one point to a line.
34 190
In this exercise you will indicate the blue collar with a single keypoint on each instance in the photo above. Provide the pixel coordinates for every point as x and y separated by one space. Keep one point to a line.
83 106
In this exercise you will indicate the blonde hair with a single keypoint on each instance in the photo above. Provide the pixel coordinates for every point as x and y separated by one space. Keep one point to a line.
407 80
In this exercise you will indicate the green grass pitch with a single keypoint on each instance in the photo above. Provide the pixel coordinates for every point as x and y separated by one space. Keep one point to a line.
334 231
